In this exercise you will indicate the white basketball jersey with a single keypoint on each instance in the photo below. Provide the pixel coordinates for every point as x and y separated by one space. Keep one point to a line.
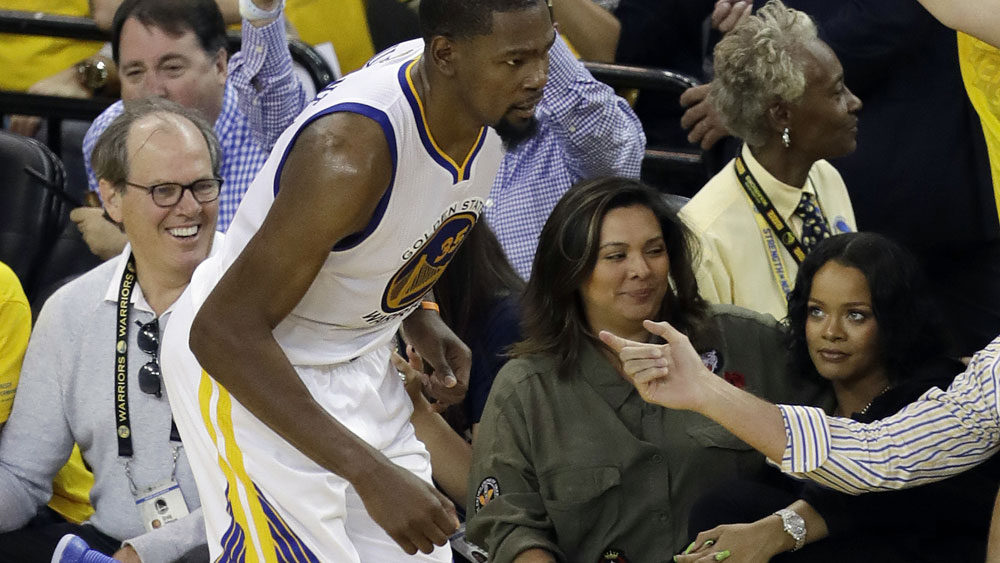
373 279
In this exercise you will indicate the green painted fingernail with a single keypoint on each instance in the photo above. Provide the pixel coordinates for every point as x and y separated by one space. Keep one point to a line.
722 555
675 558
688 550
709 543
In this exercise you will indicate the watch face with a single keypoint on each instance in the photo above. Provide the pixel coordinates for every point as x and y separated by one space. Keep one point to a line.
793 523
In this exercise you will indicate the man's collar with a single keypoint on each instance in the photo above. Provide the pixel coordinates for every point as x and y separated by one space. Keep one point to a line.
785 198
138 299
114 286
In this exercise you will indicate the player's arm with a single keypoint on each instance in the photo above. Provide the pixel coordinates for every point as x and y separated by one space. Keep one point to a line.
332 180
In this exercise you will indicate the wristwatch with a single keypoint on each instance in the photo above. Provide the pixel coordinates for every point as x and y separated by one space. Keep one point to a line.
794 525
92 74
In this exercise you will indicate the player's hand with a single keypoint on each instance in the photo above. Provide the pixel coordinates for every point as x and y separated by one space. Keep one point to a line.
703 123
423 518
444 351
728 13
63 84
103 237
668 374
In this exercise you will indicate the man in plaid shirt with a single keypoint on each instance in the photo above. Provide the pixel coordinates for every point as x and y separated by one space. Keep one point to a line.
176 50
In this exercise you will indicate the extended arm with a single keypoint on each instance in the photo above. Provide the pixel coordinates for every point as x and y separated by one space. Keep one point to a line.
979 18
333 178
941 434
600 133
270 94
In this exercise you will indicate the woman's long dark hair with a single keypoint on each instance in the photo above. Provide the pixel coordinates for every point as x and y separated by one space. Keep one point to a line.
477 275
553 319
910 330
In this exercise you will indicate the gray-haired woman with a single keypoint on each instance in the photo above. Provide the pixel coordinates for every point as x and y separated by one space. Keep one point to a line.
781 89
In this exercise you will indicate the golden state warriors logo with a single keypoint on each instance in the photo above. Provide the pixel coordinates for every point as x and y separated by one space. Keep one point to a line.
427 264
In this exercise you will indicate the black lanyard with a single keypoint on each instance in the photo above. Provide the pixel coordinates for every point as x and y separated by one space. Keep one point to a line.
125 290
766 210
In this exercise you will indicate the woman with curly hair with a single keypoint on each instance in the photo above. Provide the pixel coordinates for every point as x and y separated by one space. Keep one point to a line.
780 89
861 320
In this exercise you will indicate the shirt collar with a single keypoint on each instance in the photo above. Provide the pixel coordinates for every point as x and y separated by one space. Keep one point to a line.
598 372
138 299
785 198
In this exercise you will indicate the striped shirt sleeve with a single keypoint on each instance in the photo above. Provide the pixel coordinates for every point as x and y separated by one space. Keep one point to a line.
942 433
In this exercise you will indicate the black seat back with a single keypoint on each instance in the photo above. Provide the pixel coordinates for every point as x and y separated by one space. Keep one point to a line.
29 175
37 239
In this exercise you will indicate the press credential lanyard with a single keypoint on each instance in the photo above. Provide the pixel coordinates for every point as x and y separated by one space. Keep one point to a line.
771 226
122 421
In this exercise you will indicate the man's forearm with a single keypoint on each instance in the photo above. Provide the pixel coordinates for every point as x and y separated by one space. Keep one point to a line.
751 419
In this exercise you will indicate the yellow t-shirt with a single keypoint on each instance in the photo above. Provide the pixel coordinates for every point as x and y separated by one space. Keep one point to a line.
341 22
26 59
71 489
980 63
15 328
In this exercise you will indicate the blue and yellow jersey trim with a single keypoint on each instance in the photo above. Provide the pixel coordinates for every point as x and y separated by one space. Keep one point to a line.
459 172
256 533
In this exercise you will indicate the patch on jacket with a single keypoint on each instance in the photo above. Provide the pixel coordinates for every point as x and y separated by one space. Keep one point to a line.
488 490
712 360
613 555
736 379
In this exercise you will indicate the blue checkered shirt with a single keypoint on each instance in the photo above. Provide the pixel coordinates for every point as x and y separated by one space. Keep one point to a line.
262 97
585 130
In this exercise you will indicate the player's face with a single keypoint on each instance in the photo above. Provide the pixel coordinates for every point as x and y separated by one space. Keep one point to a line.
503 72
153 63
167 241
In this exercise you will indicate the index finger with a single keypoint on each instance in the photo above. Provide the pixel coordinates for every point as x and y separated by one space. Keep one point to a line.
615 342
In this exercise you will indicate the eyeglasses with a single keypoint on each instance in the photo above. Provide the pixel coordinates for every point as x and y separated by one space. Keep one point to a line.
167 195
148 340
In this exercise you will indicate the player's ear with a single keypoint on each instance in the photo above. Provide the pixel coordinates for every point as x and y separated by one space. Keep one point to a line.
443 54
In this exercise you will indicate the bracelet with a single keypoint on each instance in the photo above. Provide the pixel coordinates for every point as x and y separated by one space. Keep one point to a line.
250 11
430 306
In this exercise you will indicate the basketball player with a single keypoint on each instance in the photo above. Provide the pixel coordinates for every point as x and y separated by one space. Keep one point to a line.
294 420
